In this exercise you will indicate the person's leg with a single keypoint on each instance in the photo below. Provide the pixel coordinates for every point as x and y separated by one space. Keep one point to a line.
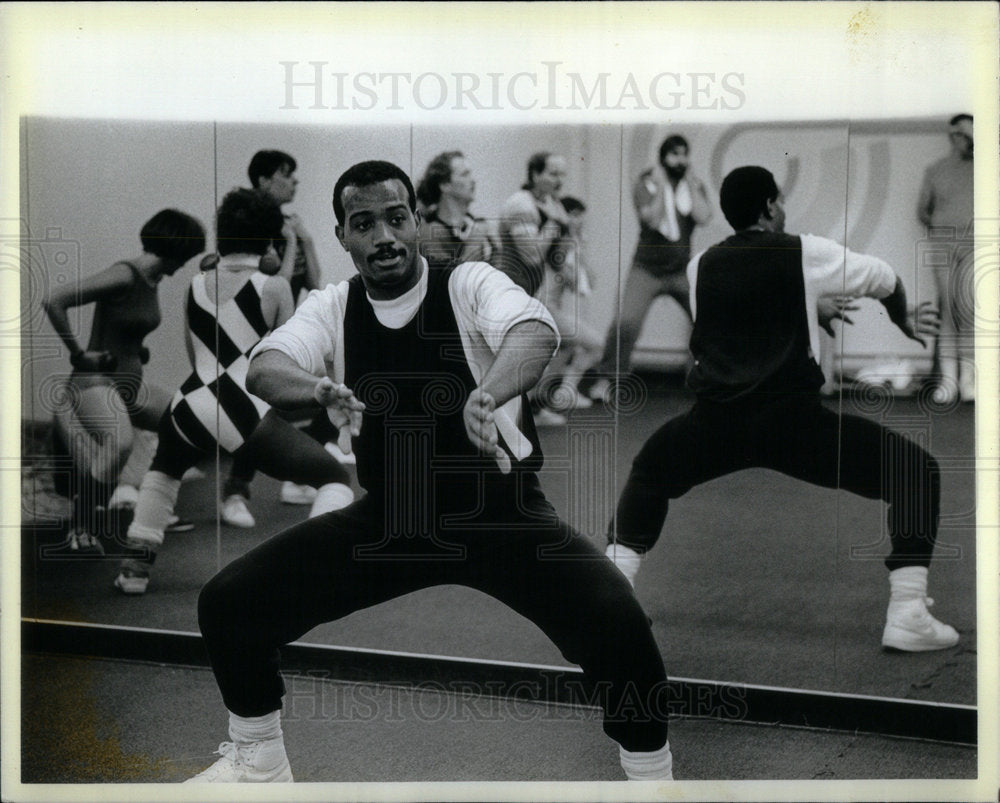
281 451
679 289
861 456
947 340
696 446
964 317
558 580
641 289
155 506
236 493
98 436
300 578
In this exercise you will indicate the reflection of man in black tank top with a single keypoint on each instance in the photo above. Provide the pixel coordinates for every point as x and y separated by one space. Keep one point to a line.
427 369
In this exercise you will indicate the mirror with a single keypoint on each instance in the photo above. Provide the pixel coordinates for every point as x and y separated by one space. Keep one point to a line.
758 578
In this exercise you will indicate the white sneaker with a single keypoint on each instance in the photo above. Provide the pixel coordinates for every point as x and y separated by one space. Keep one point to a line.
124 498
132 579
292 494
345 458
567 397
600 390
945 393
84 542
193 474
257 762
549 418
910 627
235 512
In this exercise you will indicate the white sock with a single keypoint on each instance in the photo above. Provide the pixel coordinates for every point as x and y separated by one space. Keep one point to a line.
255 729
329 497
157 498
908 583
657 765
627 560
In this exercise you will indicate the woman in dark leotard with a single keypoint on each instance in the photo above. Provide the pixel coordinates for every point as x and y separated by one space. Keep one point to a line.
106 395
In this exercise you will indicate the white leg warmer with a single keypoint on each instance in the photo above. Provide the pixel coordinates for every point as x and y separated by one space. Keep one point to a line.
908 583
657 765
157 498
329 497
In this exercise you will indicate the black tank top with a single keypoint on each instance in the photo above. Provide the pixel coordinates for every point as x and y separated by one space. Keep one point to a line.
413 451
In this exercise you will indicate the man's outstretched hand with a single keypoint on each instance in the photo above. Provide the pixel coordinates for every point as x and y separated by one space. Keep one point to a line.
343 408
481 427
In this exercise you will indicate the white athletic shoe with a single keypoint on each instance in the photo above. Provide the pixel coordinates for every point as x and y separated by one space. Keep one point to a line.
567 397
193 474
549 418
132 578
910 627
83 542
124 498
257 762
235 512
293 494
600 390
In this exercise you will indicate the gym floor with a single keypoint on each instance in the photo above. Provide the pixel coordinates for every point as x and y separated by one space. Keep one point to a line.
758 579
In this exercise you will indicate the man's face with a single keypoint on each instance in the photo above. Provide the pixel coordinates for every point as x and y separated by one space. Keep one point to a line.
280 187
380 233
960 137
675 162
461 186
550 180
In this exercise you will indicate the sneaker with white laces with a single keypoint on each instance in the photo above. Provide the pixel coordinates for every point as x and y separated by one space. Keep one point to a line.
133 577
235 512
294 494
910 627
256 762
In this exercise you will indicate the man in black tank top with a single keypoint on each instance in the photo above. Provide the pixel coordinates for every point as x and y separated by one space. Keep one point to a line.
425 372
756 379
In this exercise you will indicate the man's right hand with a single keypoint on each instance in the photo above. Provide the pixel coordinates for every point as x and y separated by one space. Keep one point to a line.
343 407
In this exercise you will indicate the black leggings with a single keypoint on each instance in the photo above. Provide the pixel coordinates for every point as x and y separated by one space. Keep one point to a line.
242 470
332 565
274 447
798 437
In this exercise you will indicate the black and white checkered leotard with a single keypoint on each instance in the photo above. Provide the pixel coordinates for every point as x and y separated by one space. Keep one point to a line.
213 405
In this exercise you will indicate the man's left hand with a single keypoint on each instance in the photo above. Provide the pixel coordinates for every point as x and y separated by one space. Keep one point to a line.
481 427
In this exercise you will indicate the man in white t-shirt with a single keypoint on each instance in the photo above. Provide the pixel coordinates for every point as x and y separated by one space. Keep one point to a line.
425 372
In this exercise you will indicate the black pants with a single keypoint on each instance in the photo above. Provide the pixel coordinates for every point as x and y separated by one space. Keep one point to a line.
798 437
242 471
274 447
333 565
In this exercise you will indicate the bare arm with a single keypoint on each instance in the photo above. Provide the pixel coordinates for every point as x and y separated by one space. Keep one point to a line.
277 301
108 282
701 206
288 260
523 355
925 204
281 382
313 275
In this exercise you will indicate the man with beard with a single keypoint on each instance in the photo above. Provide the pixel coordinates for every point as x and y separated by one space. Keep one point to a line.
670 202
428 370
